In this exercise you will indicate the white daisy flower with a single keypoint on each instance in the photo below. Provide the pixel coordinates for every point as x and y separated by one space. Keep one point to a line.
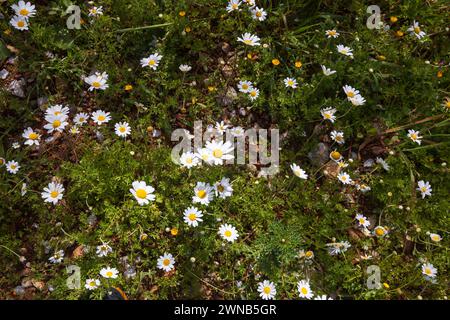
189 160
20 23
363 188
345 50
304 290
244 86
185 68
362 221
290 83
335 156
383 163
237 131
332 33
253 93
97 81
344 178
435 237
380 231
100 117
57 257
80 118
335 248
221 127
223 188
109 273
328 114
103 250
92 284
233 5
122 129
424 188
429 270
24 9
249 39
53 192
326 71
166 262
151 61
204 154
228 232
220 151
415 136
12 166
416 31
74 130
15 145
31 137
95 11
357 100
203 193
142 192
192 216
298 171
337 136
57 110
55 123
267 290
350 91
259 14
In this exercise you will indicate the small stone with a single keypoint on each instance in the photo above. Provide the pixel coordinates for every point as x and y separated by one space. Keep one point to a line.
17 88
19 290
4 74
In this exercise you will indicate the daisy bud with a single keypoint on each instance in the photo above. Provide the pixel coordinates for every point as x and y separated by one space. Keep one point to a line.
192 259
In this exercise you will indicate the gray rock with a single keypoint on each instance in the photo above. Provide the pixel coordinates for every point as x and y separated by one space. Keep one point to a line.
17 88
4 74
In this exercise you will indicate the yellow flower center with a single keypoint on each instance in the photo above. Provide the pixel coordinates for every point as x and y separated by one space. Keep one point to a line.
189 160
234 6
54 194
379 232
417 30
122 129
290 83
338 138
166 262
33 136
335 155
428 271
13 166
151 62
81 119
227 233
327 116
266 290
447 104
141 193
436 238
21 24
245 86
332 33
350 94
201 194
24 12
298 64
414 136
101 118
96 84
304 291
275 62
174 231
248 41
192 216
258 14
344 51
220 188
92 283
109 273
308 254
253 93
182 13
423 189
362 220
56 123
217 153
344 178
